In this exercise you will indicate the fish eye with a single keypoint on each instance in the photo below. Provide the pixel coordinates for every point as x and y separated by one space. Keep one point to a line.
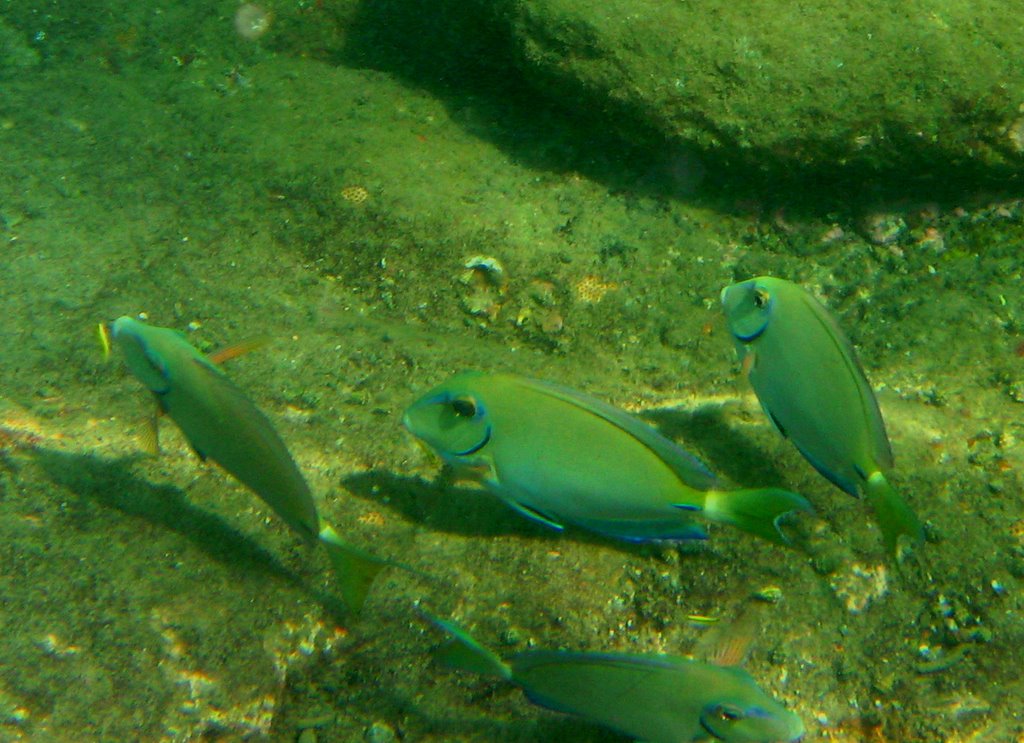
722 721
728 713
761 298
464 407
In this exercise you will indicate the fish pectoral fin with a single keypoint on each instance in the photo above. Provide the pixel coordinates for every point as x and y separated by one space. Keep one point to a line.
687 507
475 472
535 515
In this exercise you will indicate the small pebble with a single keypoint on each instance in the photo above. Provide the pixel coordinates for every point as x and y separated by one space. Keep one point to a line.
380 732
769 594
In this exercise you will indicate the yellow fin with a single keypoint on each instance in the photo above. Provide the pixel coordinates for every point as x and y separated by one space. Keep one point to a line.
354 568
728 643
149 437
103 333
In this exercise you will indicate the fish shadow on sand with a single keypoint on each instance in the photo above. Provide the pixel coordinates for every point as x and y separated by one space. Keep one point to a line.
111 484
459 705
727 452
451 509
360 696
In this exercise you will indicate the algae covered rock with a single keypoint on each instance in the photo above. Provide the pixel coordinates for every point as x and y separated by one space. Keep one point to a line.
872 84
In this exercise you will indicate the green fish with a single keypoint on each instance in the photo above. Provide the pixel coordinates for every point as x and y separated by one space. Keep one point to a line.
558 456
653 698
810 384
221 424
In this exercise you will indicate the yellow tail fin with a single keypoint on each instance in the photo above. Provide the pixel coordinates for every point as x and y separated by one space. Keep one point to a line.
355 569
900 526
759 512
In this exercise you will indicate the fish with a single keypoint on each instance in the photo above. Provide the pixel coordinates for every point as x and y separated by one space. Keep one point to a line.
650 697
558 456
221 424
811 386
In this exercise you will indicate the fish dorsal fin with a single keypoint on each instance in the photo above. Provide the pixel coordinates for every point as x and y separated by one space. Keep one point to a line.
149 437
868 402
685 465
238 349
728 644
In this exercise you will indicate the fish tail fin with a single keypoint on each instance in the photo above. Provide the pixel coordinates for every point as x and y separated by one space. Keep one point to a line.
901 529
759 511
103 335
354 568
463 652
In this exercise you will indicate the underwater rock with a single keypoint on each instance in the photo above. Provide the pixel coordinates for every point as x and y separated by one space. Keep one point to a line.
820 85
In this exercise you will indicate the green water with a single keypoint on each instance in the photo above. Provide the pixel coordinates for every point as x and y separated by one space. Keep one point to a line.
325 185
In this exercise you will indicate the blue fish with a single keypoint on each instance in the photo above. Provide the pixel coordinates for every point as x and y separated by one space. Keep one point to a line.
223 425
810 384
653 698
558 456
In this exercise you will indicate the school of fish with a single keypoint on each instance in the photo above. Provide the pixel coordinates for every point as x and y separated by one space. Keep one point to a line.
562 458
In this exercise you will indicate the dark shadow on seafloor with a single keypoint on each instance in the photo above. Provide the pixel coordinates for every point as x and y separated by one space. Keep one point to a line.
463 54
360 694
111 484
443 507
725 451
361 697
